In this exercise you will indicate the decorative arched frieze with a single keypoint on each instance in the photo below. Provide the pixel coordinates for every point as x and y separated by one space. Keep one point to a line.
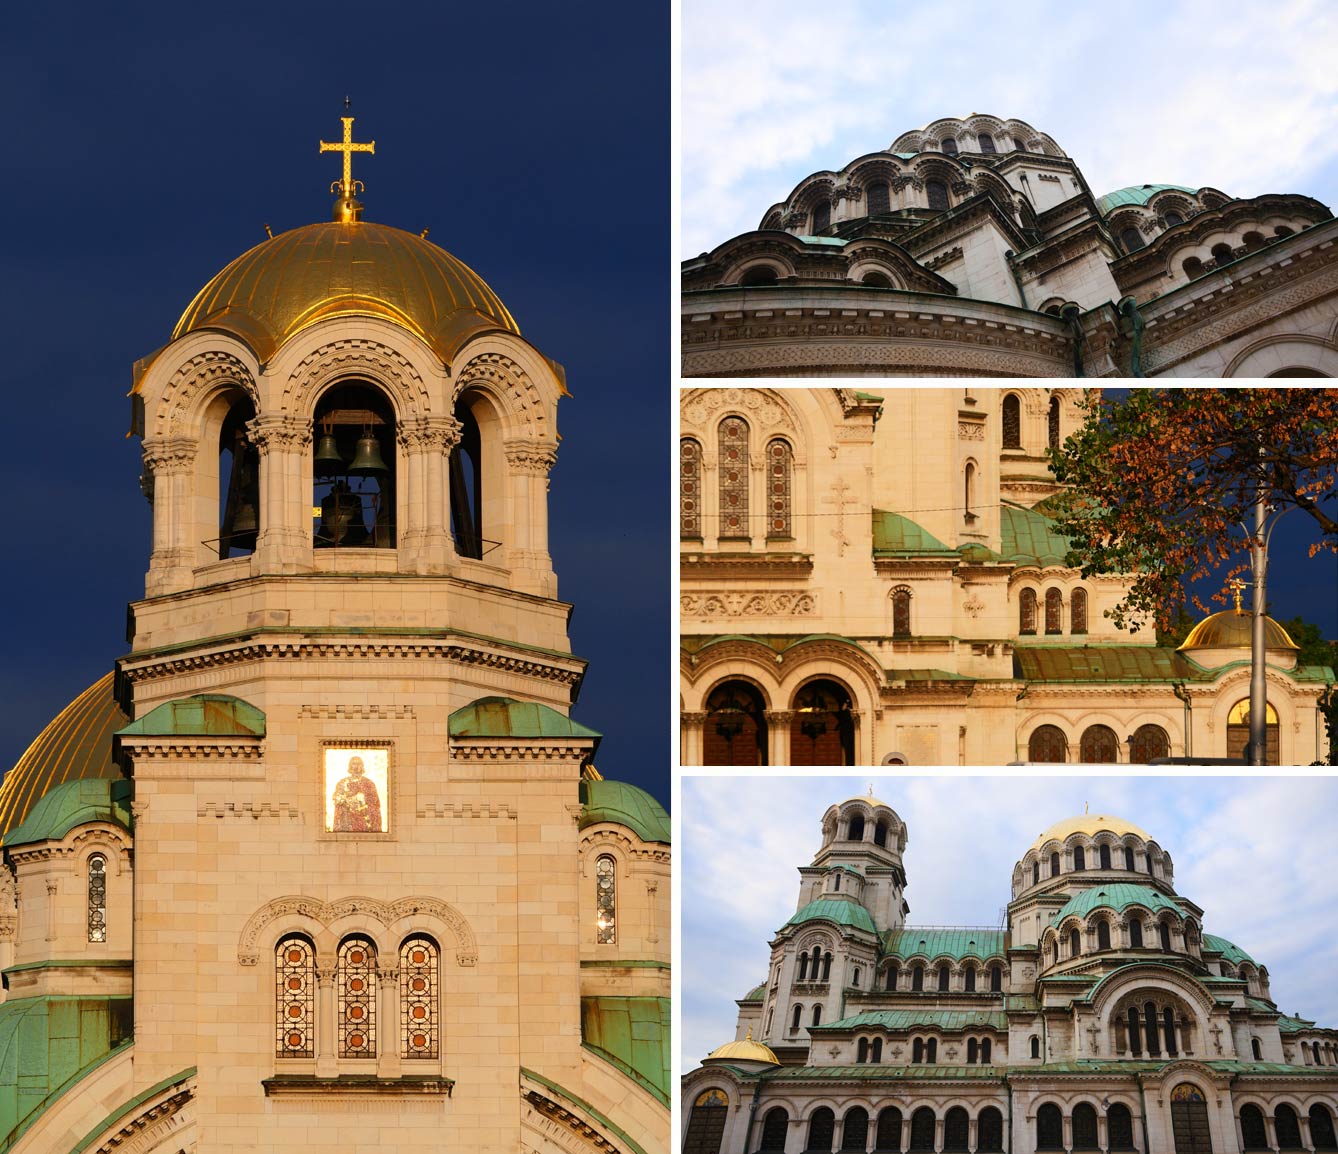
385 914
178 409
513 389
360 358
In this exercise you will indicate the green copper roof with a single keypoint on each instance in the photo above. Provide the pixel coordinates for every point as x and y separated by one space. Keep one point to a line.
1229 950
1135 194
632 1034
507 717
896 535
45 1044
624 804
72 804
1103 662
755 994
833 240
954 943
910 1019
1117 896
204 715
1027 537
842 911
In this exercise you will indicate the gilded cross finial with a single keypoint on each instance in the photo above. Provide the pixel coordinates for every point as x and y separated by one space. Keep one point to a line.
347 188
1236 586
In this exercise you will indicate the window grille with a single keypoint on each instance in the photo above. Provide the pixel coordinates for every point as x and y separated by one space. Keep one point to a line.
97 898
689 488
355 991
606 914
419 1007
779 461
295 998
733 478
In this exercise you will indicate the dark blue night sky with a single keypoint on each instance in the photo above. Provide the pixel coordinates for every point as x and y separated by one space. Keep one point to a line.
147 145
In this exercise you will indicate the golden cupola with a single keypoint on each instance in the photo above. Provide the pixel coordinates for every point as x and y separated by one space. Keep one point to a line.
1227 636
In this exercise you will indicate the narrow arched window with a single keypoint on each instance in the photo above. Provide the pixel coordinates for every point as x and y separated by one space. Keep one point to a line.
1052 423
1129 858
689 489
295 998
1035 873
880 834
972 1051
1054 865
949 146
803 967
733 441
1222 254
1135 934
1075 943
931 1051
1105 857
969 486
1035 1046
475 484
1054 611
943 977
419 1009
922 1129
1119 1127
890 982
1150 1030
996 979
798 1014
826 968
917 978
986 142
1193 267
1084 1127
1287 1128
821 1129
97 898
1149 743
779 463
855 1130
606 913
1049 1128
1026 611
706 1123
901 612
969 980
937 193
956 1129
1012 422
1131 239
880 199
1079 858
876 1051
1054 949
1168 1030
989 1131
985 1051
1078 611
239 483
1257 1049
1165 930
775 1127
836 883
1103 935
917 1051
353 466
862 1051
822 216
855 832
889 1130
1253 1133
1174 218
854 978
355 993
817 1015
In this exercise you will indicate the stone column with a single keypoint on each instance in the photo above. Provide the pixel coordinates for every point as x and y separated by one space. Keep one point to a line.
284 444
169 463
690 737
388 1058
528 463
326 1026
778 735
425 541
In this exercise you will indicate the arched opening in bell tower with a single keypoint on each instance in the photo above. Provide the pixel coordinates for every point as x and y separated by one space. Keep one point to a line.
353 467
238 482
477 484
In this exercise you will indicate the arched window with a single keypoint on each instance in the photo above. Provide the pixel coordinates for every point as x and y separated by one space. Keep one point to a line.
880 834
1193 267
1012 422
949 146
1078 611
353 469
821 1129
1103 935
1026 604
942 977
419 1012
880 199
1048 744
735 732
1131 239
1054 949
1257 1049
823 729
1314 1050
836 882
969 980
1253 1132
606 913
922 1129
1049 1127
854 978
1149 743
931 1051
996 979
1238 731
239 483
794 1020
295 998
985 1051
1084 1127
901 611
689 489
1136 934
1135 1037
1174 218
890 981
826 968
862 1051
822 216
986 142
1035 1046
1164 929
1035 872
97 898
1287 1127
1282 230
758 274
1075 943
917 978
1054 611
989 1131
1099 746
733 438
876 1050
1052 423
817 1015
779 461
876 280
1222 254
1253 240
855 1129
1321 1128
1150 1031
1054 865
1129 858
706 1123
917 1051
1104 851
1119 1127
355 991
972 1051
775 1128
889 1130
956 1129
937 193
1079 858
1168 1030
855 831
969 486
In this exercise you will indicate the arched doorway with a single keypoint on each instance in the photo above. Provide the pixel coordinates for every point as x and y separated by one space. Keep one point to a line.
1238 731
1189 1120
823 729
736 729
706 1123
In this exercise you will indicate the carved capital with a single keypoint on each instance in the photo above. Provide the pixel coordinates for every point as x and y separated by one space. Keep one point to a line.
281 432
167 455
440 434
529 456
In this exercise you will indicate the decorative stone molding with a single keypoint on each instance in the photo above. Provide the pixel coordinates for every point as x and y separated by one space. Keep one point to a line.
567 1131
944 258
166 455
356 358
385 914
762 410
727 604
519 752
510 383
744 566
357 712
432 433
491 810
257 811
279 431
201 372
529 456
167 1122
971 430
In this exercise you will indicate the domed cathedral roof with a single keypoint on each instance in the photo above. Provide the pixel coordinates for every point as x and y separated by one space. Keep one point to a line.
76 744
1090 824
1006 136
624 804
1234 629
745 1051
1137 194
346 268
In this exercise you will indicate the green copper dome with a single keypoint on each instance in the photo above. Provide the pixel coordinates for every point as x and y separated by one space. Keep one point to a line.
1116 897
1138 194
624 804
842 911
73 804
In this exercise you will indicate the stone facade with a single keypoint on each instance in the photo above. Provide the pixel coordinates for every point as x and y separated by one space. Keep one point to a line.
976 248
894 552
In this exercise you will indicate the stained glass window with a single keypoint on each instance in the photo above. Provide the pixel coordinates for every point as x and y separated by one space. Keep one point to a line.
733 478
986 142
1119 1127
775 1126
889 1130
1053 430
689 488
1084 1127
1026 611
901 612
779 459
418 998
989 1131
97 898
1047 744
355 991
1054 611
706 1123
1099 745
937 192
1150 741
956 1129
1189 1121
295 998
855 1130
879 198
1078 611
605 913
1012 422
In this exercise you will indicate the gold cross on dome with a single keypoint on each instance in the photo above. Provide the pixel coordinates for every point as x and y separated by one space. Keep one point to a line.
348 148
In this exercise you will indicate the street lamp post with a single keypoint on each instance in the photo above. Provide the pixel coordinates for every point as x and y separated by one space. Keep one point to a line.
1258 683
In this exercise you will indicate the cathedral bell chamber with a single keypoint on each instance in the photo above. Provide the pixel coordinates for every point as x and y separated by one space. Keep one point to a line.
327 861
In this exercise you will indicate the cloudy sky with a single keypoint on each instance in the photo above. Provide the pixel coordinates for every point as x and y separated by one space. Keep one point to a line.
1250 852
1149 91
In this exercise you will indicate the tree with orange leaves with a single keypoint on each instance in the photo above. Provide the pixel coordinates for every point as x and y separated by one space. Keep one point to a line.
1159 483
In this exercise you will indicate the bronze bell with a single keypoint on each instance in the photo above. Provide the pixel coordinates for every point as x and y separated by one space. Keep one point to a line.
244 524
328 460
367 460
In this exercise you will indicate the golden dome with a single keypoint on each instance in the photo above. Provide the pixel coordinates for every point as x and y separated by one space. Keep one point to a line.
1232 629
1089 823
76 744
745 1051
867 798
346 268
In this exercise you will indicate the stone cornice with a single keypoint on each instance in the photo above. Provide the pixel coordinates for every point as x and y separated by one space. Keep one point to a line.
743 566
